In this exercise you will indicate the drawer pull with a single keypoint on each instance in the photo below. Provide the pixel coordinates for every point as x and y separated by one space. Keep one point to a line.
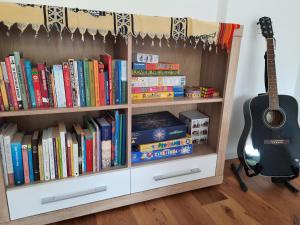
176 174
57 198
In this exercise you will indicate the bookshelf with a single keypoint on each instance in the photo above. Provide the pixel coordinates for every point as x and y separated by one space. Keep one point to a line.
202 67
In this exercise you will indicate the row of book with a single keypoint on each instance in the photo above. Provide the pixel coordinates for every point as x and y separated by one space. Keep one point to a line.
56 152
152 80
74 83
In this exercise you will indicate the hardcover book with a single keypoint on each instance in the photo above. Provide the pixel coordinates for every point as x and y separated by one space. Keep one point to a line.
8 87
35 155
92 82
81 82
87 83
154 127
16 154
107 61
28 71
67 84
3 91
8 135
43 85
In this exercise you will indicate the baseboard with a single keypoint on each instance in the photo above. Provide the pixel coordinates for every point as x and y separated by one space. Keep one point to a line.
231 155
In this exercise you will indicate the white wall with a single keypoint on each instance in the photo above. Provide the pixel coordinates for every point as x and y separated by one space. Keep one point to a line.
250 76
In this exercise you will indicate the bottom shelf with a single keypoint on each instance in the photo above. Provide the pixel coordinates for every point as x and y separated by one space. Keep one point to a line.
198 150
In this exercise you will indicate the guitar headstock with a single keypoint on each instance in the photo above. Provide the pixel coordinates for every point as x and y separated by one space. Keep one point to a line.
266 27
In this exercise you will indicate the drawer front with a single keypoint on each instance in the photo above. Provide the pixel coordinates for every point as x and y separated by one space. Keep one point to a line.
174 172
41 198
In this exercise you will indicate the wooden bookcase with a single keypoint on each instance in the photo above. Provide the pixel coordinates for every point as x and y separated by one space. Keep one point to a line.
202 67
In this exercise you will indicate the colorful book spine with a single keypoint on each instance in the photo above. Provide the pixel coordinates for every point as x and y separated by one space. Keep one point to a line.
16 152
11 130
69 154
30 160
67 84
55 154
14 75
158 81
41 160
81 82
17 59
25 84
28 71
155 72
89 150
37 88
48 74
3 91
43 84
59 85
73 83
116 66
101 83
137 90
107 61
106 88
155 66
8 87
87 83
96 82
35 155
92 82
117 134
76 82
123 82
105 142
53 89
153 95
137 156
2 153
25 163
1 103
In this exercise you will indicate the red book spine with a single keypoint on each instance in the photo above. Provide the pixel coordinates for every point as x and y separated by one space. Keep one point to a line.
25 83
101 83
162 66
37 88
67 82
89 155
11 82
43 85
69 161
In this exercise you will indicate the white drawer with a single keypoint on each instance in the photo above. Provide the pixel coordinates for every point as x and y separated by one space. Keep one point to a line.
41 198
173 172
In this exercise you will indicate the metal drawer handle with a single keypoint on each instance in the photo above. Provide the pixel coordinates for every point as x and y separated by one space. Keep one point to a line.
176 174
57 198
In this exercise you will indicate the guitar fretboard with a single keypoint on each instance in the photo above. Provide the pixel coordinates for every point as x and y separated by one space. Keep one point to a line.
272 81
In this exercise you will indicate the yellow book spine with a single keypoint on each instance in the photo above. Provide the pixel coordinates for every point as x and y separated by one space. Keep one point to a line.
155 95
92 82
3 91
41 161
59 168
96 76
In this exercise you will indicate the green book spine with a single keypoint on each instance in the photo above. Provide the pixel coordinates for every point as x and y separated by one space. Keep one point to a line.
17 56
120 140
92 83
87 83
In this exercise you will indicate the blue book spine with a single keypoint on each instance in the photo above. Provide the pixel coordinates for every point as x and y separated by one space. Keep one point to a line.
28 71
84 157
81 82
16 152
117 100
137 156
117 118
178 89
138 66
124 138
119 81
106 88
178 94
30 162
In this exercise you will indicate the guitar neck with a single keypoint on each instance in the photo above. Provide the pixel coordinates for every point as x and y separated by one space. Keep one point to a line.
272 81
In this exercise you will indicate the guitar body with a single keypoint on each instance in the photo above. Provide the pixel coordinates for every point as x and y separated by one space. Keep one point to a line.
270 148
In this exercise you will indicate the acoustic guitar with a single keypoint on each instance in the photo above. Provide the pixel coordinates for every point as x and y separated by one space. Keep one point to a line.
270 142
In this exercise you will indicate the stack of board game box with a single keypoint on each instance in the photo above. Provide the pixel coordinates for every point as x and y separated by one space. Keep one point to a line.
56 152
74 83
158 135
152 79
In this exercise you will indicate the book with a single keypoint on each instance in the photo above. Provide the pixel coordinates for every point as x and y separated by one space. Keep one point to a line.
92 82
155 66
145 58
119 83
106 78
27 94
137 156
35 155
76 83
1 103
7 137
48 74
81 147
3 91
46 157
75 155
164 144
110 118
123 81
120 139
155 73
57 152
117 139
69 154
105 128
152 95
28 71
87 83
95 131
116 80
25 162
16 155
124 140
13 80
101 83
27 140
158 81
8 87
51 153
71 64
81 82
67 84
154 127
2 153
89 150
96 82
43 85
107 61
37 88
41 159
20 78
59 85
62 132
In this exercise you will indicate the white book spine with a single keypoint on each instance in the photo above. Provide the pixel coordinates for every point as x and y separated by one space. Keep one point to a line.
7 149
106 154
15 77
51 155
75 158
62 86
83 164
76 82
46 155
56 84
124 70
64 153
3 159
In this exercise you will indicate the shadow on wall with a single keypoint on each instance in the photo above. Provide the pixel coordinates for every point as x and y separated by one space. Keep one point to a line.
297 91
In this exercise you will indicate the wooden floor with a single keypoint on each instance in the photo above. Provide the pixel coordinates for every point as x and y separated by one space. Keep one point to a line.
264 203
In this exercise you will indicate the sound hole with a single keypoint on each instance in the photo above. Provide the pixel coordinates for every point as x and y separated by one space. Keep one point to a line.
274 118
